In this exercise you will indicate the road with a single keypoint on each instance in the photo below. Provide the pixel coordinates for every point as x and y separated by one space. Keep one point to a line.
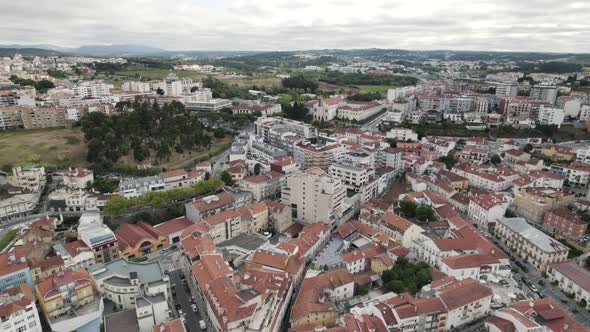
372 125
171 261
185 300
219 163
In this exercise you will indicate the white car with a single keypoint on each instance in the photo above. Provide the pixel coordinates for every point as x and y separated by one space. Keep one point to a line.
194 307
183 320
202 325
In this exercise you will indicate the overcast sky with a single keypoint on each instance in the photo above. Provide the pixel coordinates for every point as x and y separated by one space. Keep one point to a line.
501 25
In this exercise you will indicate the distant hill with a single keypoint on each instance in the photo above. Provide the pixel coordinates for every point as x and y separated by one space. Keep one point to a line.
118 50
5 51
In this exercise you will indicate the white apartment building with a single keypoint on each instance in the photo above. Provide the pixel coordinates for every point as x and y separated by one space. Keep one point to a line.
508 90
402 134
72 200
583 155
390 157
486 209
30 178
466 301
124 282
359 111
181 178
211 105
17 206
584 113
544 93
351 176
395 115
143 87
138 187
400 93
551 116
264 186
311 156
314 196
529 243
78 178
572 279
19 312
576 173
481 267
92 90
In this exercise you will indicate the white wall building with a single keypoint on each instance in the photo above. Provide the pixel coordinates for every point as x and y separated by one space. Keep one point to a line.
19 312
314 196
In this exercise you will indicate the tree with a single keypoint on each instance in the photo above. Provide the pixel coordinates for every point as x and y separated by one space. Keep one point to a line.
160 92
495 159
227 179
528 148
396 286
116 205
361 290
425 213
449 161
219 132
257 169
392 142
407 209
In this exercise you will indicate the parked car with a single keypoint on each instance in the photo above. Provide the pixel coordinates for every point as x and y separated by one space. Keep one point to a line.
202 325
194 307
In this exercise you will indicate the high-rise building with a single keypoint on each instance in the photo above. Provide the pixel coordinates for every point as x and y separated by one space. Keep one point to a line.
544 93
314 196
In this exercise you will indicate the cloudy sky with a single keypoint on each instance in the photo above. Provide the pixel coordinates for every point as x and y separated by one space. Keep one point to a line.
513 25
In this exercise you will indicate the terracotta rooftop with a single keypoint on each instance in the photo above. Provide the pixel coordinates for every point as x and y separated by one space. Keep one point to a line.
213 201
134 234
309 299
173 226
469 261
463 292
221 217
574 272
169 326
16 298
396 221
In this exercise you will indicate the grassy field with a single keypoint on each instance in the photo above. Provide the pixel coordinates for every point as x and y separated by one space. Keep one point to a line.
587 69
61 147
373 88
250 81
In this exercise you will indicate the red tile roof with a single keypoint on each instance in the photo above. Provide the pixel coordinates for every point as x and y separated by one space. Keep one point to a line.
308 300
463 292
396 221
173 226
469 261
213 201
577 274
556 319
170 326
221 217
23 297
133 235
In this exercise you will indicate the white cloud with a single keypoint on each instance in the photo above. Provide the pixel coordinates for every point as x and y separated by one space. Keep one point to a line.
529 25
